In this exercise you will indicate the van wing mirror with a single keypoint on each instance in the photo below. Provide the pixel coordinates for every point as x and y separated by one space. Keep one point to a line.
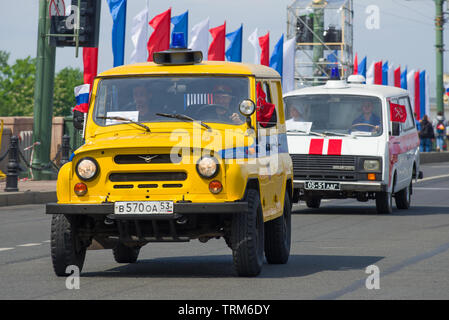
395 129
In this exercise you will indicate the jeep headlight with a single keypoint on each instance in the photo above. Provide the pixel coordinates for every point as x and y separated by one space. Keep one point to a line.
207 167
371 165
86 168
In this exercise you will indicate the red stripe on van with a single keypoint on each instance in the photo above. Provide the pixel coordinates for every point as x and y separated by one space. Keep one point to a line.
316 146
334 148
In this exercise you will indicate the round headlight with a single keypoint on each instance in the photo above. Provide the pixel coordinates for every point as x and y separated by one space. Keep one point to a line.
371 165
86 168
247 107
207 167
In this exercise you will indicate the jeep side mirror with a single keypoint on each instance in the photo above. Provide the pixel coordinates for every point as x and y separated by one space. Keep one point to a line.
78 120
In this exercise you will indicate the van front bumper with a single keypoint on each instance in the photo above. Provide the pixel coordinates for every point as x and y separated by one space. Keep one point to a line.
179 209
347 186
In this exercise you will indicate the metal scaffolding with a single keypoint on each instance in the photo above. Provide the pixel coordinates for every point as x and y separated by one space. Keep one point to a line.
324 36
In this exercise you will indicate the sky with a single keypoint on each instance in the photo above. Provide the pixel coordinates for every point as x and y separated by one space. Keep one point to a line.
405 35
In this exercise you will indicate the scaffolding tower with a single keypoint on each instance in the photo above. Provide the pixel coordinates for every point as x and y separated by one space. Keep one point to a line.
324 35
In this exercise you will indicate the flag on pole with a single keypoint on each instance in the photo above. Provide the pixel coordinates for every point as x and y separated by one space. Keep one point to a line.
427 94
82 98
378 72
234 51
397 77
180 24
398 112
356 65
277 57
254 40
139 36
361 69
422 94
200 37
160 37
417 94
385 74
118 12
90 61
404 79
411 90
370 74
390 74
264 43
217 46
288 66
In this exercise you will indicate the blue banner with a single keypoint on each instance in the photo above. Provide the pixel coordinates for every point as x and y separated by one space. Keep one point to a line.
118 12
361 69
181 24
385 74
422 94
234 51
277 58
404 80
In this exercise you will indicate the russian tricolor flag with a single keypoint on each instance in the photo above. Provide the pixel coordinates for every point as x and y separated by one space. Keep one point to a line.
82 98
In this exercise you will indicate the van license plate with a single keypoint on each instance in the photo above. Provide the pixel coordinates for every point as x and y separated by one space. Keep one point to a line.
320 185
144 207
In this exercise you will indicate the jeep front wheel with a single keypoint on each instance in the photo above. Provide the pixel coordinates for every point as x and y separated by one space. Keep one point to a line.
247 236
66 247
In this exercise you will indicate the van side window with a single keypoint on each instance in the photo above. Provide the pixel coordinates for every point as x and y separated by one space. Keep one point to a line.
266 110
410 122
395 127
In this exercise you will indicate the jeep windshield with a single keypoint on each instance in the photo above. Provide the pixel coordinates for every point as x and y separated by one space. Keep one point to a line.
334 115
164 99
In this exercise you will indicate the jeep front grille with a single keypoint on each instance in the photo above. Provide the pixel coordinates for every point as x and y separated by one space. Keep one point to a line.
147 176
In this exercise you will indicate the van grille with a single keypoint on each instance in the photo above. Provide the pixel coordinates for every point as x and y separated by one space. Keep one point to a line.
147 176
322 167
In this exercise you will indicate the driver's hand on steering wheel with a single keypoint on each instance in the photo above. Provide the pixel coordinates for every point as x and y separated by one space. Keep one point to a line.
236 118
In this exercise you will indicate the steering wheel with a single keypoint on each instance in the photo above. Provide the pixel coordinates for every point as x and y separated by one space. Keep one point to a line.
212 106
364 124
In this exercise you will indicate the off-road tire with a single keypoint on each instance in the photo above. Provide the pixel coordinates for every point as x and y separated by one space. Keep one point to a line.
403 197
384 202
66 248
247 236
313 203
278 236
125 254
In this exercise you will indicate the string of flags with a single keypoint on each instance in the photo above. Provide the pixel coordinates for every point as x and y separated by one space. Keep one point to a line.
416 82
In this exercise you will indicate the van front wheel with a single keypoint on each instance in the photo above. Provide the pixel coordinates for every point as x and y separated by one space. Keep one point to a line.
247 236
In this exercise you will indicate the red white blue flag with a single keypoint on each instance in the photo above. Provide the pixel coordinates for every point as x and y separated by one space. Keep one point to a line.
82 98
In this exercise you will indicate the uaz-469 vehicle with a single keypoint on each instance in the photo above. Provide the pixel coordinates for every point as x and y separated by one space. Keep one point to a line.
175 150
350 140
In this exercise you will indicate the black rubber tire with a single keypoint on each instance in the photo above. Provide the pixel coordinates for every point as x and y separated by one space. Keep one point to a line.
125 254
278 236
66 248
403 197
313 203
384 202
247 236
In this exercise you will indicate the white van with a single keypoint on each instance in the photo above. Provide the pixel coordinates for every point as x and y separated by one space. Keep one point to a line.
344 145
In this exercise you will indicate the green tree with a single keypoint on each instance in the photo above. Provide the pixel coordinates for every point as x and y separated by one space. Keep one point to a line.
64 97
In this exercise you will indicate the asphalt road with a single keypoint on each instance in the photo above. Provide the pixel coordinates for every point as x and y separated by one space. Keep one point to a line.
331 249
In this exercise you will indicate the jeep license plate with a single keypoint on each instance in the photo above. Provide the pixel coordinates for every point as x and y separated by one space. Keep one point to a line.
144 207
321 185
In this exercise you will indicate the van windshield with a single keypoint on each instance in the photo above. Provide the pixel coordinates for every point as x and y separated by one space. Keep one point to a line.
328 114
202 98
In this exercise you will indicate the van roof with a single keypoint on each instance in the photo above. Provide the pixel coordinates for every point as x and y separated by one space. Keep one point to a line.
205 67
353 89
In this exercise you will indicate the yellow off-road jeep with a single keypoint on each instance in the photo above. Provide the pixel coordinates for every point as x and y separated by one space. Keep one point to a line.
175 150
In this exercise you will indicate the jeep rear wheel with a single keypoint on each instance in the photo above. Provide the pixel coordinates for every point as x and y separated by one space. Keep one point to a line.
66 247
278 236
125 254
247 236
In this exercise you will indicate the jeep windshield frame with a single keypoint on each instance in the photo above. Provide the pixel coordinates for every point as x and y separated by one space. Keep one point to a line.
206 98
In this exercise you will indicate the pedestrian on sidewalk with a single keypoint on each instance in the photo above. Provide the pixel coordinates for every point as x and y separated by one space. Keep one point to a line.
440 125
426 134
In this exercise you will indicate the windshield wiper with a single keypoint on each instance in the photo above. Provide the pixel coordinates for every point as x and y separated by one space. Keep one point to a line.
126 119
310 132
181 116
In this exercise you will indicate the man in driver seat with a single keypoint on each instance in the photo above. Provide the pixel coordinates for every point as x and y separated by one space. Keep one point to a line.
223 97
368 117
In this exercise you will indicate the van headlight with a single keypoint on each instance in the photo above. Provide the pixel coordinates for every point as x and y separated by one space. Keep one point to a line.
207 167
86 168
371 165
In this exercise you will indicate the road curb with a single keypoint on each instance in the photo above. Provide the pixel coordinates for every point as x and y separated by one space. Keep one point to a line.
432 157
27 197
